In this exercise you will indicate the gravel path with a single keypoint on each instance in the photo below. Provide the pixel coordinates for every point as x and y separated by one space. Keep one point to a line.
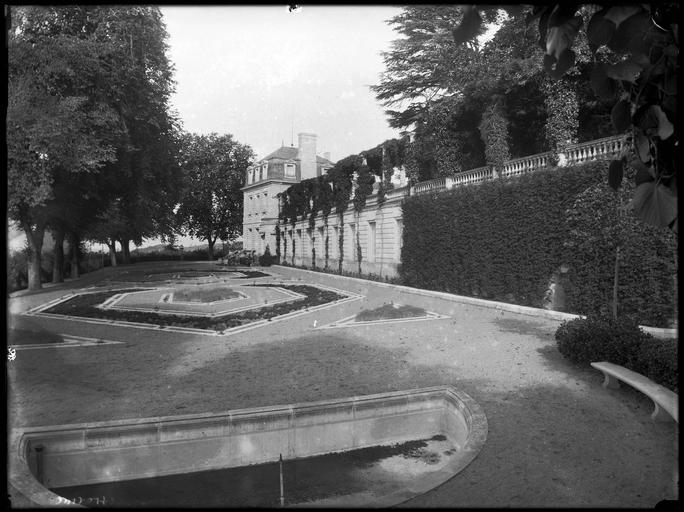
556 437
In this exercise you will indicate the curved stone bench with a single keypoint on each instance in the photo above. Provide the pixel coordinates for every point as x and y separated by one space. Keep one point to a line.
666 401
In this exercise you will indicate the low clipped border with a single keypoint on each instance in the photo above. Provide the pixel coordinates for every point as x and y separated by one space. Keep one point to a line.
660 332
70 340
348 297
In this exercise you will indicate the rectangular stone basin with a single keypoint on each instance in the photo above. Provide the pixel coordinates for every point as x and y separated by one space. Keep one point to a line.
71 455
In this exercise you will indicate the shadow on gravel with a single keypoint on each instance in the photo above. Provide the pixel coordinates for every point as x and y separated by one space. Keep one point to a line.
543 331
548 444
24 331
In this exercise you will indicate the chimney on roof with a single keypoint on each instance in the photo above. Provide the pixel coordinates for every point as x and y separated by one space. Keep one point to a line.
307 155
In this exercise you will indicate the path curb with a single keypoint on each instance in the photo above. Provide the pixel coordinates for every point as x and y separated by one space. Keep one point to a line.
659 332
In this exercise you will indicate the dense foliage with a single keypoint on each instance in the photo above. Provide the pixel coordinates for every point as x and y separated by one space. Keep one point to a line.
635 50
91 141
504 239
619 341
445 91
494 133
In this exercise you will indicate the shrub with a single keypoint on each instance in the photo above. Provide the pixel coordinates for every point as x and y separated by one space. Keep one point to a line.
657 359
622 342
201 254
266 260
597 338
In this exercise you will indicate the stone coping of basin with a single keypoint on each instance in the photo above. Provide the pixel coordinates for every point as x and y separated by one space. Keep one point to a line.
462 405
660 332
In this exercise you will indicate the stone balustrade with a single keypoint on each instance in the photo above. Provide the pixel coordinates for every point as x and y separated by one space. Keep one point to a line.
594 150
608 147
477 175
429 185
519 166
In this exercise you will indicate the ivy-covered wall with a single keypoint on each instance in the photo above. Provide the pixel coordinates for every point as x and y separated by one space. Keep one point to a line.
504 240
350 180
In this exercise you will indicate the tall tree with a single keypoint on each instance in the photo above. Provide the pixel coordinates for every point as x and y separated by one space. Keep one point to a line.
425 65
89 91
146 175
211 205
469 80
58 116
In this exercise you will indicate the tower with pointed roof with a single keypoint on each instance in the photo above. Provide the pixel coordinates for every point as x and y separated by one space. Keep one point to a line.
268 177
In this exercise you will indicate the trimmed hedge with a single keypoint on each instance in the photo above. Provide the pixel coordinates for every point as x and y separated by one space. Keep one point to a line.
658 361
504 240
166 255
598 338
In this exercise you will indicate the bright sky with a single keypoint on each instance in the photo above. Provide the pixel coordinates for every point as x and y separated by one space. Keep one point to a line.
255 71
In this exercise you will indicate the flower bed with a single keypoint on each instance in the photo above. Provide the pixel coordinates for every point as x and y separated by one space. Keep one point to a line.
389 312
85 306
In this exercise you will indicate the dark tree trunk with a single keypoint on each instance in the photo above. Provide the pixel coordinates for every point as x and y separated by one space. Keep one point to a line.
35 241
211 248
58 260
125 251
615 282
74 242
112 251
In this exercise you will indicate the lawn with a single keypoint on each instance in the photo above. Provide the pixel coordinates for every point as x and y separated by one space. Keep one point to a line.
204 295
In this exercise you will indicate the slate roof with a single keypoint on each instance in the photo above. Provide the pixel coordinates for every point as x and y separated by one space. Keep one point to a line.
285 153
290 153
